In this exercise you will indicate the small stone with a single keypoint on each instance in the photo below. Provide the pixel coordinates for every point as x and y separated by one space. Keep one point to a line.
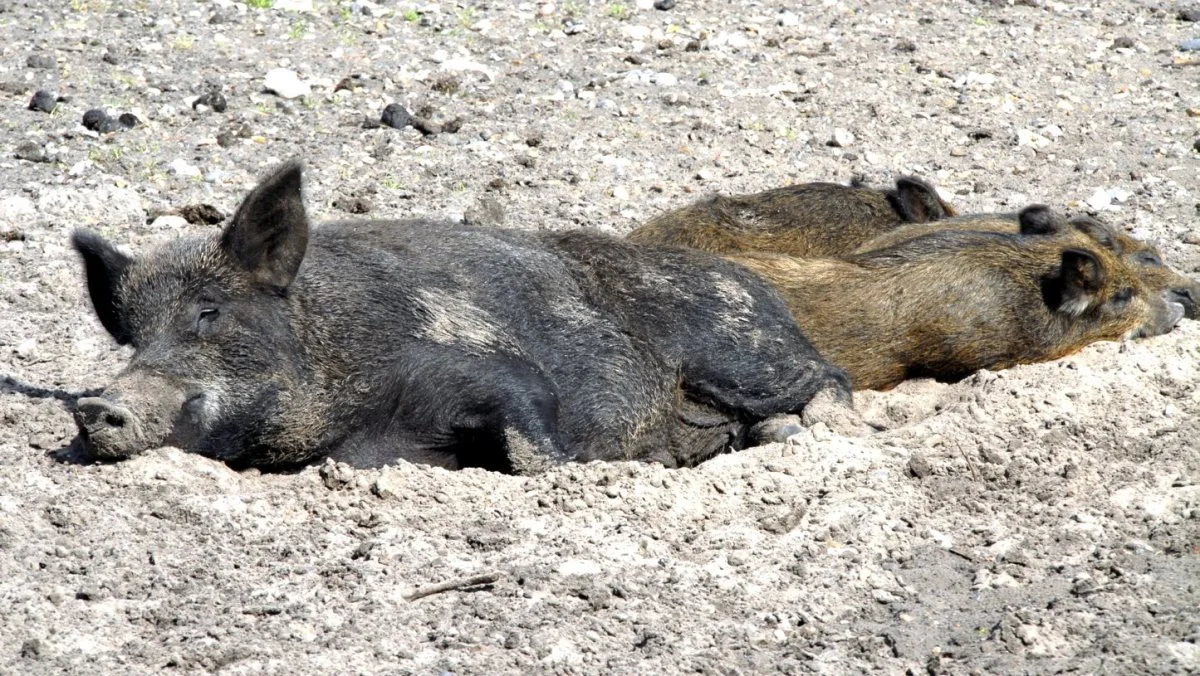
128 120
919 467
214 100
1191 237
93 118
285 83
109 125
905 45
958 151
32 649
31 151
664 5
43 100
113 56
1122 42
1192 45
169 222
201 214
226 139
1189 14
396 116
26 349
15 87
180 167
40 61
841 139
425 126
1196 145
387 486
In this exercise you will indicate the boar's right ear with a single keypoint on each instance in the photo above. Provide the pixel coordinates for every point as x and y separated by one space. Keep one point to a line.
918 202
269 232
1082 278
103 267
1097 231
1039 219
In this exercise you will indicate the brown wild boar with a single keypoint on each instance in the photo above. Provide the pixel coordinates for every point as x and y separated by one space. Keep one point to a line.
807 220
948 303
1141 256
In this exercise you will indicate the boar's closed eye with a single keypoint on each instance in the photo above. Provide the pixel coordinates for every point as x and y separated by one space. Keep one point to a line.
205 320
1147 258
1121 298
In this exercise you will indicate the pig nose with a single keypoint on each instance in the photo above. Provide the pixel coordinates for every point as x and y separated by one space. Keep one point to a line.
108 429
1186 298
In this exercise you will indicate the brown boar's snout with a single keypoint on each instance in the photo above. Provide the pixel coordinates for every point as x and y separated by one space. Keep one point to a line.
110 431
1187 297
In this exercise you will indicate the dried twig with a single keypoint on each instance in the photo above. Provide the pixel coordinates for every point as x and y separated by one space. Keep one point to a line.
450 585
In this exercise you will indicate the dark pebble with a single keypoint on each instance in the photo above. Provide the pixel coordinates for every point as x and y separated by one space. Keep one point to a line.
1196 145
129 120
40 61
1189 14
664 4
1122 43
93 118
396 116
30 151
14 87
919 467
201 214
453 126
905 45
226 139
110 125
979 134
112 57
348 83
42 100
214 100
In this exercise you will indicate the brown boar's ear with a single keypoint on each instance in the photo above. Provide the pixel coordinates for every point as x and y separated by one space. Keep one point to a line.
1039 219
918 202
103 267
269 232
1082 278
1097 231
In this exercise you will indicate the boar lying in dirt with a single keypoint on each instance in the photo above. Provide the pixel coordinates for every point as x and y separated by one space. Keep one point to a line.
796 220
270 345
1141 256
947 303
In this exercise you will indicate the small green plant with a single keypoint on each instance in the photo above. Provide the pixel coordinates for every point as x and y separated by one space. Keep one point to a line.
392 183
618 11
411 15
298 29
464 16
261 4
183 43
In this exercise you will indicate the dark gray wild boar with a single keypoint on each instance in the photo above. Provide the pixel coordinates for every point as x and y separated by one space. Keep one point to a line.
368 341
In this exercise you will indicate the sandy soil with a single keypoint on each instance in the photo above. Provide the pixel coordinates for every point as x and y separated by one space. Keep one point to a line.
1037 520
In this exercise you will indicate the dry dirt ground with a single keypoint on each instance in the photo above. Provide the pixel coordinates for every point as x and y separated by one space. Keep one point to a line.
1037 520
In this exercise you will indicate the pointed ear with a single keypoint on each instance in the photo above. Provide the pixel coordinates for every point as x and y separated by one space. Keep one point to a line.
1039 219
1082 278
103 267
918 201
268 234
1097 231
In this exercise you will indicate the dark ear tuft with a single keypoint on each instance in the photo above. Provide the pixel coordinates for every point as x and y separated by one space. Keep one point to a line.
1082 278
917 201
103 267
1039 219
268 234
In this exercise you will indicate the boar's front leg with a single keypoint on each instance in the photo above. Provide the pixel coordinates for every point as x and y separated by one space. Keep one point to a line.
445 406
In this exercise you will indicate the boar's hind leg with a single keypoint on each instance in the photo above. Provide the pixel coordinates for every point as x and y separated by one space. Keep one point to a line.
463 410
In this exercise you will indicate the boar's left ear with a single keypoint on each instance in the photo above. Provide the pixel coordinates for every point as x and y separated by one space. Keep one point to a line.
1039 219
103 266
269 232
1082 278
918 201
1097 231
